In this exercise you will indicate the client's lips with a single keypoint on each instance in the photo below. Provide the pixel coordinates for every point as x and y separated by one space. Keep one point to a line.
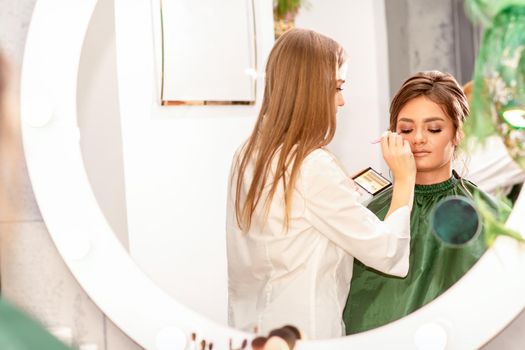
420 153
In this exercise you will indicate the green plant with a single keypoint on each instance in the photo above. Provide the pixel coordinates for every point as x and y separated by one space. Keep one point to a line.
286 8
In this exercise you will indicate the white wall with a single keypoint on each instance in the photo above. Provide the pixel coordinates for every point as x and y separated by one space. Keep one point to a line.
176 162
360 27
99 118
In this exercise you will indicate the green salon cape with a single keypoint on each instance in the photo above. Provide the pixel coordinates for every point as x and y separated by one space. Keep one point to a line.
376 299
19 332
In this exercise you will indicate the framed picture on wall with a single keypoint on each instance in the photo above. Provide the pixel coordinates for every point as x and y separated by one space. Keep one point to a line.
208 52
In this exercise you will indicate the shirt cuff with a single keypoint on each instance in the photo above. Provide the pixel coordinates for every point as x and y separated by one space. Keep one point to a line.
399 221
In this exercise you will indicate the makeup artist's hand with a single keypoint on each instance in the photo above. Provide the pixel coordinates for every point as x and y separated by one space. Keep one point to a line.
400 160
398 156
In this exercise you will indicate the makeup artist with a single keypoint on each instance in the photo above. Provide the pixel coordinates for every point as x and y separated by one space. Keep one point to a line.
294 223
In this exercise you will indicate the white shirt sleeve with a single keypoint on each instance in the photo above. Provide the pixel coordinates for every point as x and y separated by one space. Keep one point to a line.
333 208
490 167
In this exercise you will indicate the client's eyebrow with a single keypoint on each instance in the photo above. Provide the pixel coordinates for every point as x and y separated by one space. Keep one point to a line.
426 120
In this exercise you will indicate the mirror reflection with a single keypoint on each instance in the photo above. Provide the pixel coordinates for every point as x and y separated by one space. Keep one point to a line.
161 180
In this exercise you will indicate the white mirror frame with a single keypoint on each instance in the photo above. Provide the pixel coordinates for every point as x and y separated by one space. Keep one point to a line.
466 316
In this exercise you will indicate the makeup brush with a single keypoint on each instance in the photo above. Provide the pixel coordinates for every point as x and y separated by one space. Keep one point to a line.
379 139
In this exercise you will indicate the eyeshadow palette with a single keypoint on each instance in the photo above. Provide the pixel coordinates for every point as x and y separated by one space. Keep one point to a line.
371 181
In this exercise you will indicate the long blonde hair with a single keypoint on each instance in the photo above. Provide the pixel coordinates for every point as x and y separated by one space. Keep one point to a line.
298 115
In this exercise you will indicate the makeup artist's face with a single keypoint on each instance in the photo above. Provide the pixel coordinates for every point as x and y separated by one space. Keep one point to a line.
339 99
430 133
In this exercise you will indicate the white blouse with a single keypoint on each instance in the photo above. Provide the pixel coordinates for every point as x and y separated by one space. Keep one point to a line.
302 277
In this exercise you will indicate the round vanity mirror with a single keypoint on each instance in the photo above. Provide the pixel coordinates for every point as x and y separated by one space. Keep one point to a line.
162 210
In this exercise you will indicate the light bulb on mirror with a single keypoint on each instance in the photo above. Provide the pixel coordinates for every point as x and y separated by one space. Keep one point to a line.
455 221
510 126
515 117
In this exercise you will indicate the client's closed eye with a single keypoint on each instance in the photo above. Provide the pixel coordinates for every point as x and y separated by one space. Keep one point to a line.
434 130
405 131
